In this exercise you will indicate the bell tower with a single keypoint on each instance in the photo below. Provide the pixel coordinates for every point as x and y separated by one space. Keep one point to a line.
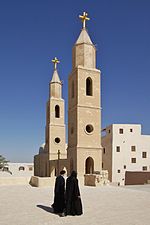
55 125
84 107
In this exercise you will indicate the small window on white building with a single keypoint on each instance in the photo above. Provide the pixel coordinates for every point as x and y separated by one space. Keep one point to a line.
120 131
133 148
124 166
117 148
104 150
118 171
5 168
144 168
133 160
30 168
144 154
21 168
131 130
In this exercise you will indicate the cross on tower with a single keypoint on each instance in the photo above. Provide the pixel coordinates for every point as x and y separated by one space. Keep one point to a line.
55 61
84 18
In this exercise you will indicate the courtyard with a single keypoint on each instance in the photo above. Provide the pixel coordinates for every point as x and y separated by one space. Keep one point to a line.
106 205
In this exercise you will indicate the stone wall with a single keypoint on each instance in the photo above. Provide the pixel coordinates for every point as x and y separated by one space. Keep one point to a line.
36 181
96 179
134 177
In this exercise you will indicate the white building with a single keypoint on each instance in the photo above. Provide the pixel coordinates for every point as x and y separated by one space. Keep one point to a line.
18 169
125 149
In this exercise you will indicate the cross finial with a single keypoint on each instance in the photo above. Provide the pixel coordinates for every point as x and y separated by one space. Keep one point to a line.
55 61
84 18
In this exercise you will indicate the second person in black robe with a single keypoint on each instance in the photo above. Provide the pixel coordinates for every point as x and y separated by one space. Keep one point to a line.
73 199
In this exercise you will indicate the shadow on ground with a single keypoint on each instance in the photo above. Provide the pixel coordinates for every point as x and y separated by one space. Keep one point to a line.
46 208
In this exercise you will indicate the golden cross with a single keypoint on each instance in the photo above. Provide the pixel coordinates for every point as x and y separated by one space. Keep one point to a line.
84 18
55 61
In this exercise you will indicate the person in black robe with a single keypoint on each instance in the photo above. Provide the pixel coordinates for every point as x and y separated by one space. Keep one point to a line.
73 199
59 194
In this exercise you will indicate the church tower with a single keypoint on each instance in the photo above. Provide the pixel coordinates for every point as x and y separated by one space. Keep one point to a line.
55 125
84 107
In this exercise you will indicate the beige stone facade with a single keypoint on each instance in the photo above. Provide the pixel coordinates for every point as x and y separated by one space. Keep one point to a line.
84 109
84 151
52 155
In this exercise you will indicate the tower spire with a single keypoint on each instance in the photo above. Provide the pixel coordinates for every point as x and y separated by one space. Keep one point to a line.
55 84
84 51
84 18
55 77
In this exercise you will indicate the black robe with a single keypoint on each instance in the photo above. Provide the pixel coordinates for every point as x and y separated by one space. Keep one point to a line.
73 200
59 195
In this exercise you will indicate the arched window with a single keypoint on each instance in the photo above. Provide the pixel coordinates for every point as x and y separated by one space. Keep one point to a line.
21 168
72 90
57 111
89 86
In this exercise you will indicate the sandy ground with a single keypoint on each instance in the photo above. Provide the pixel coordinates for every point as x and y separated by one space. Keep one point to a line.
26 205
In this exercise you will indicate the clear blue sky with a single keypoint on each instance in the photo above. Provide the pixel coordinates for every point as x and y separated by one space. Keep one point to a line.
32 32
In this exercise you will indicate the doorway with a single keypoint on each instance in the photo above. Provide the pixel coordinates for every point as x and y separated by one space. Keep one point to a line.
89 165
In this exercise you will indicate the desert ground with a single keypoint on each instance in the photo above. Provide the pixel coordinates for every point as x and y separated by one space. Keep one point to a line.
107 205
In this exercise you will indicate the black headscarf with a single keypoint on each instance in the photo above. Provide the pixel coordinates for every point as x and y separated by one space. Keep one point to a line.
74 174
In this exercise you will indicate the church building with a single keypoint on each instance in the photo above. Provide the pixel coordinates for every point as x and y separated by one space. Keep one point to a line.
83 152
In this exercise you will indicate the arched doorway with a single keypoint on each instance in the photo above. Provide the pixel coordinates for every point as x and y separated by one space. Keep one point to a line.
89 165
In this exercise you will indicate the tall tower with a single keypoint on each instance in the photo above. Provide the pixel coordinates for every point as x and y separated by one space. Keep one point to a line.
55 126
84 107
